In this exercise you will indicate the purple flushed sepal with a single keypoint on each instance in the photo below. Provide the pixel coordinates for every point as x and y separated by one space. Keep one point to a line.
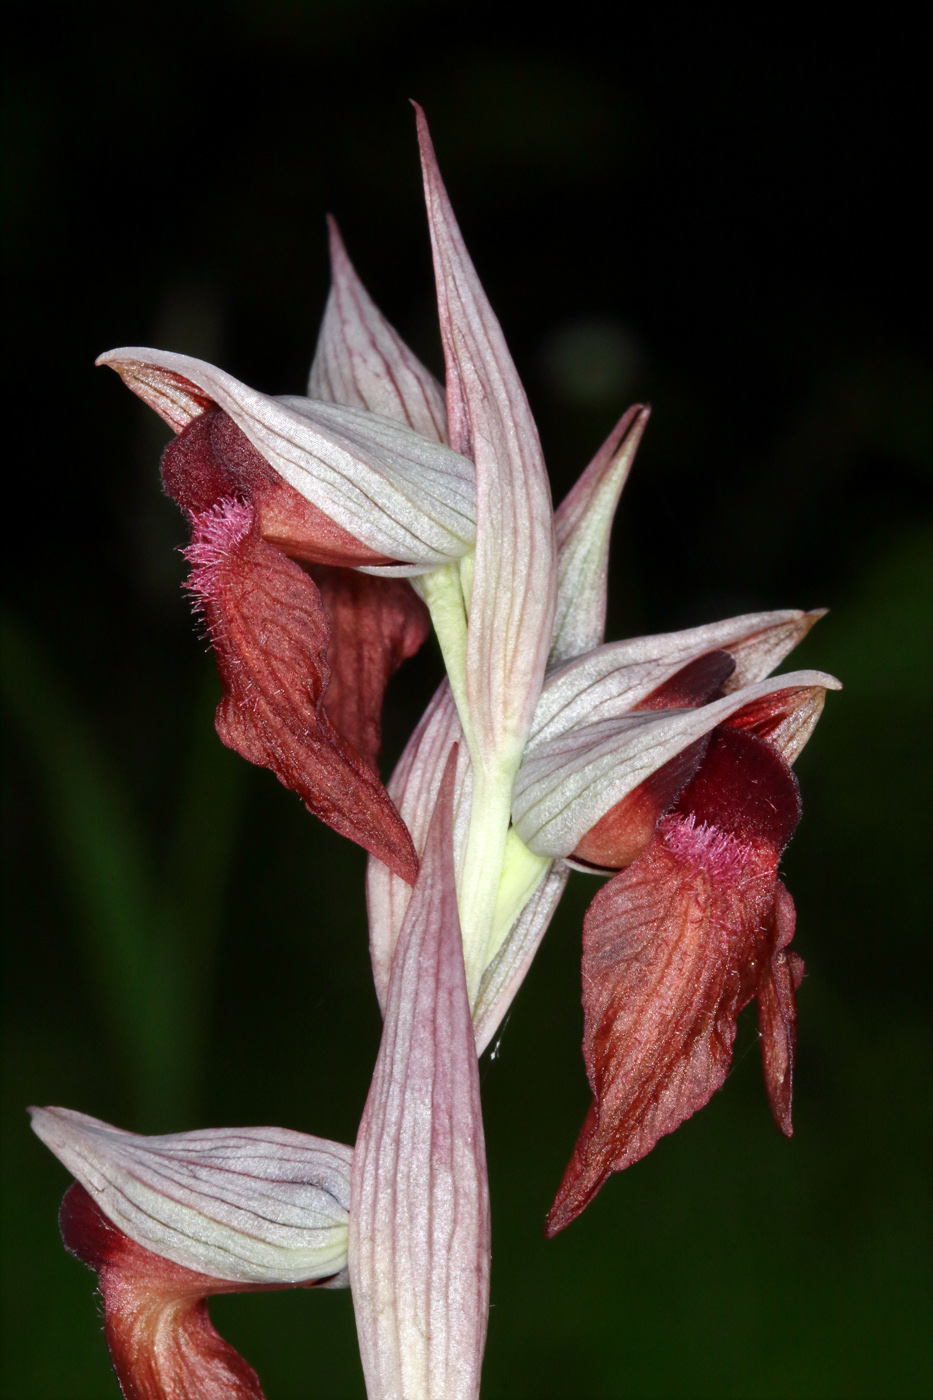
247 1205
495 618
514 583
574 777
583 525
168 1222
419 1249
361 360
406 501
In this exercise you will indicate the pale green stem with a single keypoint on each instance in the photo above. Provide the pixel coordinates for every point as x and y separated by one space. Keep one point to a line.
499 874
442 592
522 873
478 883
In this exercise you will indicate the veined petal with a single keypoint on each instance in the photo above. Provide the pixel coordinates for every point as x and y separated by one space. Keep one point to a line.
568 783
419 1245
247 1205
614 679
362 362
621 835
403 496
628 828
511 597
514 577
786 722
210 460
430 488
414 788
582 524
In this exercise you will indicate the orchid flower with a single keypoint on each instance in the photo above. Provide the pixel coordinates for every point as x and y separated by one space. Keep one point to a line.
327 531
168 1221
305 653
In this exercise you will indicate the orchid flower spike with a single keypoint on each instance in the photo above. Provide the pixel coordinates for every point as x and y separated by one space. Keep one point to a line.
168 1221
328 532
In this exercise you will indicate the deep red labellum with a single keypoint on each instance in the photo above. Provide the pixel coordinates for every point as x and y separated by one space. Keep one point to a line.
673 948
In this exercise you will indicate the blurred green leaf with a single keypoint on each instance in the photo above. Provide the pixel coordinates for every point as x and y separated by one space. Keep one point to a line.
149 944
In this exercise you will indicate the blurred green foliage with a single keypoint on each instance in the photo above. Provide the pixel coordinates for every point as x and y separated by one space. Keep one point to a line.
733 211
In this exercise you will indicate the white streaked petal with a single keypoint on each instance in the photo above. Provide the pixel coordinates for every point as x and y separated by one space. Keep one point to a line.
609 681
514 577
361 361
404 496
582 524
252 1205
413 787
506 972
761 641
568 783
419 1247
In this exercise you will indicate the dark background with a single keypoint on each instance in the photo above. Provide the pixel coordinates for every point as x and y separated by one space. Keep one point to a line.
724 219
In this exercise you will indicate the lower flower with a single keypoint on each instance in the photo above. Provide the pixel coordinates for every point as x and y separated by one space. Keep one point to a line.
169 1221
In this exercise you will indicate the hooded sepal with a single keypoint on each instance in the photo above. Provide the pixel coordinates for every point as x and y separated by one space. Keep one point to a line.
568 782
614 679
246 1206
623 833
404 498
361 361
419 1247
